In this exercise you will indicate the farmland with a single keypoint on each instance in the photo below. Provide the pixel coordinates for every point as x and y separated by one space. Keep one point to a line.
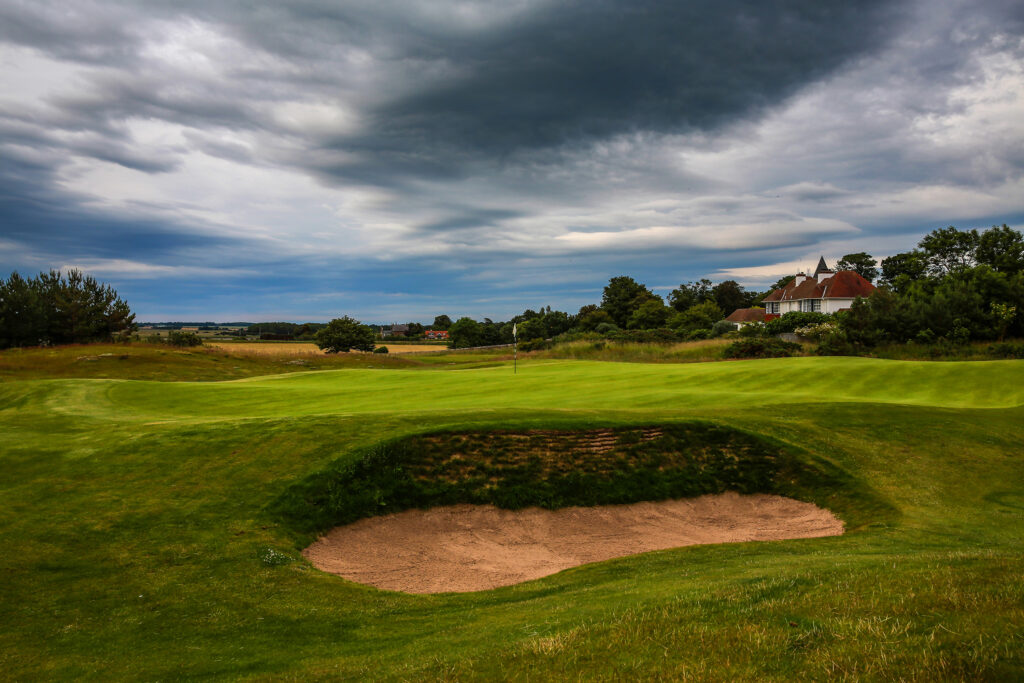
309 348
143 535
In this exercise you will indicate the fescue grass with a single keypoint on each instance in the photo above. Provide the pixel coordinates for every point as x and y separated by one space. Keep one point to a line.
205 363
140 540
631 352
562 468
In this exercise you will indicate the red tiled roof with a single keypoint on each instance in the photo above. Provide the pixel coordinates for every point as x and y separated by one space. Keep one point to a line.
746 315
846 284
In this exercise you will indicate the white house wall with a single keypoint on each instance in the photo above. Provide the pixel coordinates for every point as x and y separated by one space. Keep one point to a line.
834 305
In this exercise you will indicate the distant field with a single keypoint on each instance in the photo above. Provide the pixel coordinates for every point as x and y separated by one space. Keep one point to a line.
309 348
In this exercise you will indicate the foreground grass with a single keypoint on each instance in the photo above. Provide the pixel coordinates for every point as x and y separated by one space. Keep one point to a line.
136 534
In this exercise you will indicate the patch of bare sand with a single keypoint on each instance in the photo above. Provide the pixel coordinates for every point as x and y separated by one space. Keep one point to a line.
472 548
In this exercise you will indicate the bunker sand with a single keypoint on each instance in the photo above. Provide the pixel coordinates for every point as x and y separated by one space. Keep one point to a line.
473 548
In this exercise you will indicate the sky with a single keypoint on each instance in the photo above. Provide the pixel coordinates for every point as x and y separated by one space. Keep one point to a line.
394 160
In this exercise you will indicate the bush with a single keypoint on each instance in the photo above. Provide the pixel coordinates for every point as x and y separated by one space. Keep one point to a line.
606 328
183 339
837 345
1007 350
752 330
697 335
381 349
790 321
818 331
722 327
659 336
534 345
760 348
574 335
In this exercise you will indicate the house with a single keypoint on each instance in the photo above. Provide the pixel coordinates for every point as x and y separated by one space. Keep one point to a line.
745 316
394 331
436 334
824 292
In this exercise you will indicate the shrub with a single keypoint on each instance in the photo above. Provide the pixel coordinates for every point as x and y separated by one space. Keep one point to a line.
697 335
659 336
381 349
925 336
1007 350
837 345
752 330
606 328
721 327
790 321
534 345
818 331
183 339
760 348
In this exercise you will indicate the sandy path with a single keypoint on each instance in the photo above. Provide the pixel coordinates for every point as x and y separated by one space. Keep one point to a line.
470 548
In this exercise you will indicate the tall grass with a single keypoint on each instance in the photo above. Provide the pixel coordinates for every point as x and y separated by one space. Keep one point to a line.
631 352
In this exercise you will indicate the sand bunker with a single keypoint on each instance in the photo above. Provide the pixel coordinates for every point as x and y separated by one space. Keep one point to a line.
471 548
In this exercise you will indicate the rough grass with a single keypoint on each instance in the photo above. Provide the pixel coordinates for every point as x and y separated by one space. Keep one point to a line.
682 352
138 539
561 468
210 362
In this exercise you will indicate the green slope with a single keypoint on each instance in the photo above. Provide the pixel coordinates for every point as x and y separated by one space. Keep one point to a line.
553 385
134 530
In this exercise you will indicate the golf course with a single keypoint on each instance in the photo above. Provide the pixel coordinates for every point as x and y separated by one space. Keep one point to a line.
154 528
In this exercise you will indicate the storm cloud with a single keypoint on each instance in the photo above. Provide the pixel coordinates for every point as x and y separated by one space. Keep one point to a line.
397 159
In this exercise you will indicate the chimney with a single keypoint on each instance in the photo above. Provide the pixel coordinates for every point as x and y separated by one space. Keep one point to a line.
823 275
800 277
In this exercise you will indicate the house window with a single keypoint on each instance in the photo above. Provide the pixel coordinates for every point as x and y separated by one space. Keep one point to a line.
810 305
773 307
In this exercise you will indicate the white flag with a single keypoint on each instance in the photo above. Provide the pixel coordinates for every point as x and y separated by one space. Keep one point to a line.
513 330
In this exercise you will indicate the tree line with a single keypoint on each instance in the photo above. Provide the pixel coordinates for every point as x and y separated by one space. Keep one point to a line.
56 308
955 286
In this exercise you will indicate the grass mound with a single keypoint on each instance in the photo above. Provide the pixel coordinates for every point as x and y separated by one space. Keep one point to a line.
561 468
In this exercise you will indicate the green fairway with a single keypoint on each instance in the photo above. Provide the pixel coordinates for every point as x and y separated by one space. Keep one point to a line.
139 537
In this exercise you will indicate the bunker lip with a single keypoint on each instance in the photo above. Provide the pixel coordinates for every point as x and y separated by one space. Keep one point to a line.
473 547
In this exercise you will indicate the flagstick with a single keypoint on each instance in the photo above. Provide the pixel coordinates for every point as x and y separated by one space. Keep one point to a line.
515 349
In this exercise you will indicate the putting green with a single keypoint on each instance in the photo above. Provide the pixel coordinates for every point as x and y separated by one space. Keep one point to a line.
555 385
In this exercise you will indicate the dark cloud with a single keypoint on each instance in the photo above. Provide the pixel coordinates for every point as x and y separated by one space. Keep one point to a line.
52 225
471 218
456 141
581 71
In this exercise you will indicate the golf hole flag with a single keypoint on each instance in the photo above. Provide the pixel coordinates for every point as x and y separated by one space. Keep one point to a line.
515 351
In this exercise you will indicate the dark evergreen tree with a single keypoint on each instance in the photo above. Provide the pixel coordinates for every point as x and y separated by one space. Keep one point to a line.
54 308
